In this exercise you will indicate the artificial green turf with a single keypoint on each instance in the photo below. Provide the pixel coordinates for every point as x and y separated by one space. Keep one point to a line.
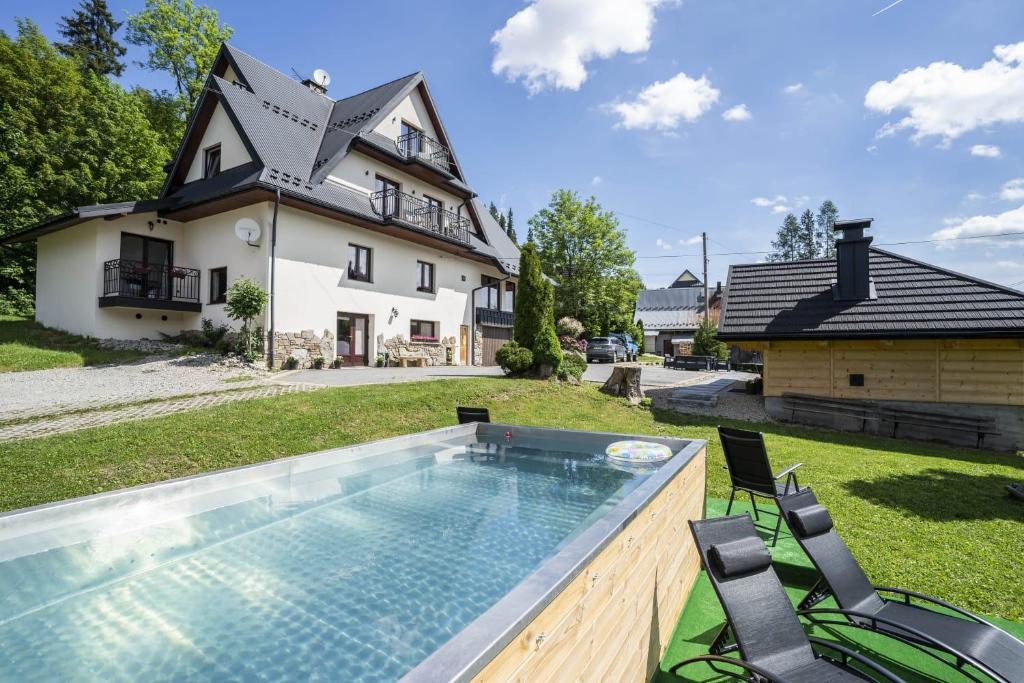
703 617
27 345
928 518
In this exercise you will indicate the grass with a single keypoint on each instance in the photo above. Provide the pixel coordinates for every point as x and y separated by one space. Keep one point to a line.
27 345
238 378
929 518
651 358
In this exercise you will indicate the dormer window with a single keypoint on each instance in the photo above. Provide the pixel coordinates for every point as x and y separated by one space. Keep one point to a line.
211 161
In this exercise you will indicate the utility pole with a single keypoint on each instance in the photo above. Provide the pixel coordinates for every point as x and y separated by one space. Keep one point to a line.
704 243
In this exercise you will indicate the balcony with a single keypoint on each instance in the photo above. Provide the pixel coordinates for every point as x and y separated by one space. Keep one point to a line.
492 317
395 206
134 284
420 147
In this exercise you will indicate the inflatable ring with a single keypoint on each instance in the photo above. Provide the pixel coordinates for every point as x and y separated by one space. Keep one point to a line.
638 452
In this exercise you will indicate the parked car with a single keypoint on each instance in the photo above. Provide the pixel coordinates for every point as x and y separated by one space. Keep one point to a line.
606 348
632 350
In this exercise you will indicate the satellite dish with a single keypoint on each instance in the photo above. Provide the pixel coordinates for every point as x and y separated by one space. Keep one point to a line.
247 230
321 78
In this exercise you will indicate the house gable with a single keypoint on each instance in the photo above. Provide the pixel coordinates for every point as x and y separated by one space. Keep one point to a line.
412 110
219 130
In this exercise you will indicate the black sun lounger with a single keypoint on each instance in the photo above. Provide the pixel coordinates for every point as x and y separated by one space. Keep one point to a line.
771 642
910 618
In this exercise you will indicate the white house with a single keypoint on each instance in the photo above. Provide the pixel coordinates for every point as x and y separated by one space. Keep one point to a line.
354 214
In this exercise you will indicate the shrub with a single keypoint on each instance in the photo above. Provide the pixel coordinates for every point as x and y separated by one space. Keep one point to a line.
547 354
572 366
570 344
337 363
318 363
569 327
249 343
514 359
706 343
291 363
212 335
381 360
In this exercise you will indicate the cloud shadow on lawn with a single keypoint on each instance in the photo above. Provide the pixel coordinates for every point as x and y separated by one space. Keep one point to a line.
941 495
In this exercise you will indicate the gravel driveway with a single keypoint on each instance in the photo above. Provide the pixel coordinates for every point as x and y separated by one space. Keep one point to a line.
60 390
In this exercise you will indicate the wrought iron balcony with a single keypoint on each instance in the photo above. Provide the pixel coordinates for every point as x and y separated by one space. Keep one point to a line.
393 205
416 145
135 284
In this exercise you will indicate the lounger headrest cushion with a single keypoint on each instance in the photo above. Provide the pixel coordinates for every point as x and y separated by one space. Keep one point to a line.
741 556
811 520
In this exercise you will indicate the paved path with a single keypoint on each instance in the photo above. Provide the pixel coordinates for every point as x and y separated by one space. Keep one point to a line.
651 377
60 424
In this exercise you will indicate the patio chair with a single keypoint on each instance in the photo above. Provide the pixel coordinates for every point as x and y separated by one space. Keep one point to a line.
771 642
472 415
746 458
911 617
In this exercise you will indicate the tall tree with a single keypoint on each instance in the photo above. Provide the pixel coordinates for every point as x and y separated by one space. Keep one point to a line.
493 210
786 246
584 251
67 139
89 33
808 244
164 114
183 39
501 221
529 297
509 227
826 220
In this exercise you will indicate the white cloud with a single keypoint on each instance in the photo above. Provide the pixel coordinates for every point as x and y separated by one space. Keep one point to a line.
974 196
765 201
596 180
737 113
696 239
947 100
990 151
1012 190
779 208
663 244
548 44
664 104
982 226
793 89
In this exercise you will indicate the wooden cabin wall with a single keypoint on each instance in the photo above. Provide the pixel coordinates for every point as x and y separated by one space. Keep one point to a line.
988 371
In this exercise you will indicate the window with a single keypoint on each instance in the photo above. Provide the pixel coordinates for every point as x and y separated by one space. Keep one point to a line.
488 297
211 161
510 296
424 276
359 263
411 139
389 200
435 207
423 330
218 285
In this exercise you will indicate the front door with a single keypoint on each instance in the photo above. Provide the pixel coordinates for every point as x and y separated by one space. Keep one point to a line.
352 338
464 344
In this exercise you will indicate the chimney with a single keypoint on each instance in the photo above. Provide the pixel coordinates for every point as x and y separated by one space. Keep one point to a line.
314 86
853 282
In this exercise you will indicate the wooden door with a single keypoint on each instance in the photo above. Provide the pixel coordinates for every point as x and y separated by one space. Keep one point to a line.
353 338
464 344
494 338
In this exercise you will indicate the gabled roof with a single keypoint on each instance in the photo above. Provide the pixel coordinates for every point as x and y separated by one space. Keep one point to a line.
794 300
686 279
677 308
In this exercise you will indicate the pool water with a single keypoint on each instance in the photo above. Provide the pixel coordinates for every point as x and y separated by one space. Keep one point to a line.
354 571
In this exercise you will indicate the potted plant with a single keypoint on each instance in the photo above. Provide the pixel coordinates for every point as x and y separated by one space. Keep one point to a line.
381 360
337 362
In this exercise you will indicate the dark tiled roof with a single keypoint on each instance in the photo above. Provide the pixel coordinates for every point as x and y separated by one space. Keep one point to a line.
675 308
794 300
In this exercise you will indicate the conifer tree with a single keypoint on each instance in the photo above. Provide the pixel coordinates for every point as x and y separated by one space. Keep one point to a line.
807 243
509 228
89 33
826 220
786 246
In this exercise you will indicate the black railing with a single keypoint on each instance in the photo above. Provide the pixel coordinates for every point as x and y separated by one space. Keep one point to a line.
419 146
139 280
394 205
494 318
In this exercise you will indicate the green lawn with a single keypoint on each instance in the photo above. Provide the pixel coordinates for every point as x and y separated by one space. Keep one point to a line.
27 345
929 518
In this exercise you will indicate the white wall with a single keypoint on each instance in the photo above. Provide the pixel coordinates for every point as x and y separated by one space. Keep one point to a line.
313 285
412 111
221 131
358 171
66 289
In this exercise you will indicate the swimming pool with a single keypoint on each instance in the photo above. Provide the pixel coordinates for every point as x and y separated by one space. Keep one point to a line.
353 564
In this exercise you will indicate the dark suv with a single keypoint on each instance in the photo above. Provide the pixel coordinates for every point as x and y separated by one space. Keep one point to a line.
606 348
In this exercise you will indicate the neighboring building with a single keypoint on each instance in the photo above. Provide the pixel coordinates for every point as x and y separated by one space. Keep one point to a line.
671 316
380 245
871 324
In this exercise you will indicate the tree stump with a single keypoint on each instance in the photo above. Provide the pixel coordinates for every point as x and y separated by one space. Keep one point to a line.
625 382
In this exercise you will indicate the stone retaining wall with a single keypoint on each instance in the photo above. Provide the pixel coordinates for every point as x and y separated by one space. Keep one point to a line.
304 347
434 353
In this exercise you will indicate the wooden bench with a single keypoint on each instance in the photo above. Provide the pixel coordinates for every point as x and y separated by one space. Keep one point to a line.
979 426
819 405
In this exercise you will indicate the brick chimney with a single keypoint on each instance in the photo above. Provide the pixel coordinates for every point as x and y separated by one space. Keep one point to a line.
853 282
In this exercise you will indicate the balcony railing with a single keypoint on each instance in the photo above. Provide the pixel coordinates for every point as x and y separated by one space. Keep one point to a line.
419 146
393 205
153 286
494 318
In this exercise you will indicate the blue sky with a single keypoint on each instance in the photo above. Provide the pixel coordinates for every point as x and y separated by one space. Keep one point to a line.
933 153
